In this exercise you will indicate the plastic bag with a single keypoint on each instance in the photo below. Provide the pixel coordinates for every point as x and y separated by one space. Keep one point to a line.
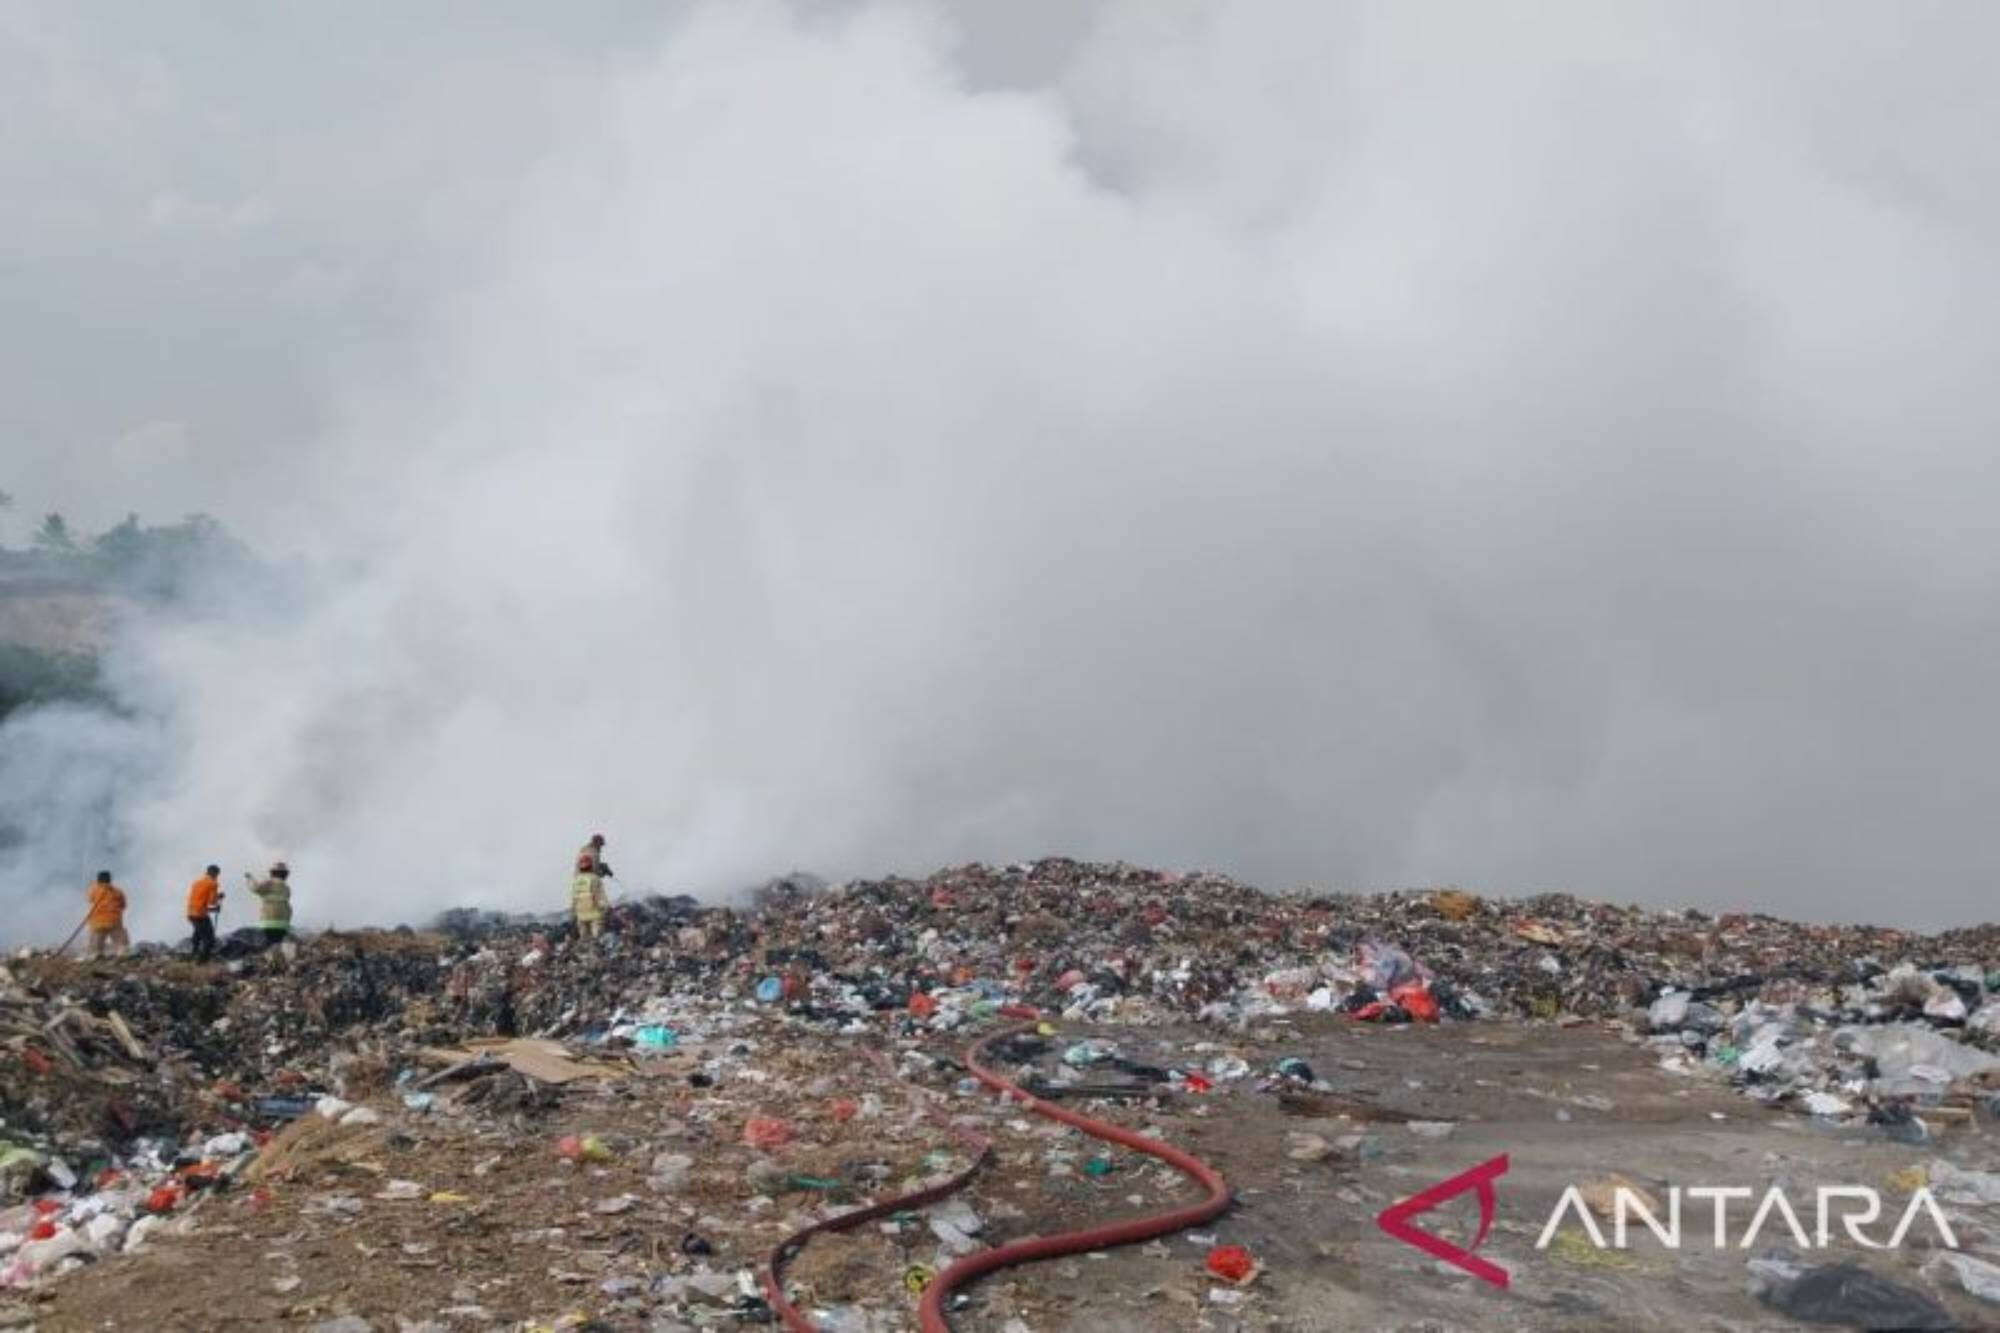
1415 999
1843 1293
1232 1263
764 1131
1386 966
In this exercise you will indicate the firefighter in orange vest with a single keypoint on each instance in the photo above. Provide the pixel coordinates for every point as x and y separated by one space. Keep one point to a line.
106 921
204 903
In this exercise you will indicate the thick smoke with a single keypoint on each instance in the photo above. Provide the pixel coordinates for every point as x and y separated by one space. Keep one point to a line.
1363 446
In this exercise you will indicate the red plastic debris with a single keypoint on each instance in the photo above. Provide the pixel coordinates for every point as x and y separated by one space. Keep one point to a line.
584 1148
1415 999
47 1207
587 1147
763 1131
1231 1263
1371 1011
35 1060
1069 980
1196 1083
164 1199
843 1109
922 1005
199 1175
42 1230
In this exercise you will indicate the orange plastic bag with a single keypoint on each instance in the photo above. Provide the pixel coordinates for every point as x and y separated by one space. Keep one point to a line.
1415 999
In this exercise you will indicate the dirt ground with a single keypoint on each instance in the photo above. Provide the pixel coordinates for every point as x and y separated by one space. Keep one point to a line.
500 1231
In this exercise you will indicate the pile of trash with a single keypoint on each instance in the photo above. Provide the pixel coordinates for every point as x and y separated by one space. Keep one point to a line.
1908 1048
131 1090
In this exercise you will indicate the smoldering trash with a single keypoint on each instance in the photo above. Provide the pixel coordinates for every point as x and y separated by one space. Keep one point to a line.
650 1113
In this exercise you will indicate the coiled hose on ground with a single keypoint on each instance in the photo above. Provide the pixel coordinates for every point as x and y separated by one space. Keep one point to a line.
930 1312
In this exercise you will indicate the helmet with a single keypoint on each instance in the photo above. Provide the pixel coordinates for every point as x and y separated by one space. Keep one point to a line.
280 869
597 840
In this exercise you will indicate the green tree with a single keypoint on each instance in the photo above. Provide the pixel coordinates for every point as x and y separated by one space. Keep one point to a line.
123 545
53 536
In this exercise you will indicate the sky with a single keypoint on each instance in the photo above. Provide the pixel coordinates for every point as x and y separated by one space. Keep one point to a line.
1358 445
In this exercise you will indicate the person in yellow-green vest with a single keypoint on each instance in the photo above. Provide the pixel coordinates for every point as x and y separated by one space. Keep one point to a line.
274 903
587 902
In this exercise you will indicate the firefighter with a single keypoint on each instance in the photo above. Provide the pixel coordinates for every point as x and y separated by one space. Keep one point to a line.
274 903
587 902
593 852
203 906
106 921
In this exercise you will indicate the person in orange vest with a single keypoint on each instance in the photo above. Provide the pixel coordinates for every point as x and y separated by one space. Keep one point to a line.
106 921
204 903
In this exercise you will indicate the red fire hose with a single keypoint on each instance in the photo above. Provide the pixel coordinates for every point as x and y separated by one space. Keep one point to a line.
931 1312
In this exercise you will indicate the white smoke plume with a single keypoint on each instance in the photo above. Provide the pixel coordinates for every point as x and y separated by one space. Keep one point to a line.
1337 443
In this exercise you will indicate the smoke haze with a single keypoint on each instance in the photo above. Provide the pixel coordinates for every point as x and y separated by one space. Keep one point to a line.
1355 444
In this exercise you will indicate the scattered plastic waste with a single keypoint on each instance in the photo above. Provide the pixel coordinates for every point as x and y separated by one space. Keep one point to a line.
1842 1293
1232 1263
1978 1277
766 1132
1415 999
1091 1052
583 1148
655 1037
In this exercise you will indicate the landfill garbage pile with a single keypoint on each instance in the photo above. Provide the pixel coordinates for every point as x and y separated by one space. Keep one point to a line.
132 1091
1838 1020
1908 1048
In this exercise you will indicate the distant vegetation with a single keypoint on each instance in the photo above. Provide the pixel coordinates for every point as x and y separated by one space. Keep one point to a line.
128 559
34 676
